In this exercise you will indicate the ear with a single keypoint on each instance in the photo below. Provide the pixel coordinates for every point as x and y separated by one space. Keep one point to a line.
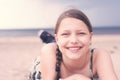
55 35
91 35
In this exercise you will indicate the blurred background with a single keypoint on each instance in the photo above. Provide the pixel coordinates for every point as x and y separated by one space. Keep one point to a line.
21 20
32 15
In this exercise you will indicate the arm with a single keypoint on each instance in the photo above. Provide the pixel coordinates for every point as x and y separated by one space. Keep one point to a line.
48 61
76 77
104 66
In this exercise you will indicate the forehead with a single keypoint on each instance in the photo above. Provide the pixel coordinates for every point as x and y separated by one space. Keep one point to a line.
72 23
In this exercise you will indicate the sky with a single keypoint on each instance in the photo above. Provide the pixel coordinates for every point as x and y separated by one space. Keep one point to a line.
21 14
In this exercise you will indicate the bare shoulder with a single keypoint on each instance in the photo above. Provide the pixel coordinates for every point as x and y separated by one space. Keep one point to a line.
102 58
50 45
103 64
48 49
48 61
102 53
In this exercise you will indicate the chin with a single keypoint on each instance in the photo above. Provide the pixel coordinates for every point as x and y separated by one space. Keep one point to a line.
74 56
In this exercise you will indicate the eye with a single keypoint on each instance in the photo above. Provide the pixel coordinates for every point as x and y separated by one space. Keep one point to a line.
81 33
63 34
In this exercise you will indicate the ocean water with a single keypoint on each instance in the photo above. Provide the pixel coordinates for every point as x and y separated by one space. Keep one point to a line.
34 32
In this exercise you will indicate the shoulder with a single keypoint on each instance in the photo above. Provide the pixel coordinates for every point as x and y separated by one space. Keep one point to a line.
48 50
102 59
48 61
49 47
101 56
103 63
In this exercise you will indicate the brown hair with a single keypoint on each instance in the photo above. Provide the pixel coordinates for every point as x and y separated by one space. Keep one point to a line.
73 13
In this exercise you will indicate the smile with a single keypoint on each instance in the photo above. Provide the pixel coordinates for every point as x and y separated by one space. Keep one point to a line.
74 49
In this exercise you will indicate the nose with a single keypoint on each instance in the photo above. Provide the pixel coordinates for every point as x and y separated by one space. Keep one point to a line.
74 39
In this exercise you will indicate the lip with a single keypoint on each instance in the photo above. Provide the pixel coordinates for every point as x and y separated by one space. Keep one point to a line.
74 49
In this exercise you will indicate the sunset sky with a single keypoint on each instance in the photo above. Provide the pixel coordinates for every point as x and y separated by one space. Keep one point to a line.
20 14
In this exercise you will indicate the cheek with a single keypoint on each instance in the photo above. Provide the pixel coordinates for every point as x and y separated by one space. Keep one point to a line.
61 41
58 40
86 40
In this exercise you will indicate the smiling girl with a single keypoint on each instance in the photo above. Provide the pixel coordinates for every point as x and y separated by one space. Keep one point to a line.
71 57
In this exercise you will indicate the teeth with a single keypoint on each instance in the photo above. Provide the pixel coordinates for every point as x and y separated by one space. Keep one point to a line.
74 48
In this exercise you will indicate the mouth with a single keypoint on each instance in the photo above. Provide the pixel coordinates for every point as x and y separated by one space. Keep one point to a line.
74 49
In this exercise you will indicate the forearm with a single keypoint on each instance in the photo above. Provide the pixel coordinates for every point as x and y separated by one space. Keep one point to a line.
76 77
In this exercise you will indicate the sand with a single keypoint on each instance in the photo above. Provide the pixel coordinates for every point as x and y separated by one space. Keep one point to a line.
18 53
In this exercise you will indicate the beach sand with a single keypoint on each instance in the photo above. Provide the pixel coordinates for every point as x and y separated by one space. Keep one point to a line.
18 53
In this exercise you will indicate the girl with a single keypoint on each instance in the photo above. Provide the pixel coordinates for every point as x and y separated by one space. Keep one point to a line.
71 57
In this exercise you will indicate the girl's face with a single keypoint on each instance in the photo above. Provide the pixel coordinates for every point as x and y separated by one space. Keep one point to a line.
73 38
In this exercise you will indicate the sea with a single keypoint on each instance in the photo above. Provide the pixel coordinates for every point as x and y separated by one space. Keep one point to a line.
34 32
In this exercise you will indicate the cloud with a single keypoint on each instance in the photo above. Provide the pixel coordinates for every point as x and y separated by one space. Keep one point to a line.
28 13
44 13
105 15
